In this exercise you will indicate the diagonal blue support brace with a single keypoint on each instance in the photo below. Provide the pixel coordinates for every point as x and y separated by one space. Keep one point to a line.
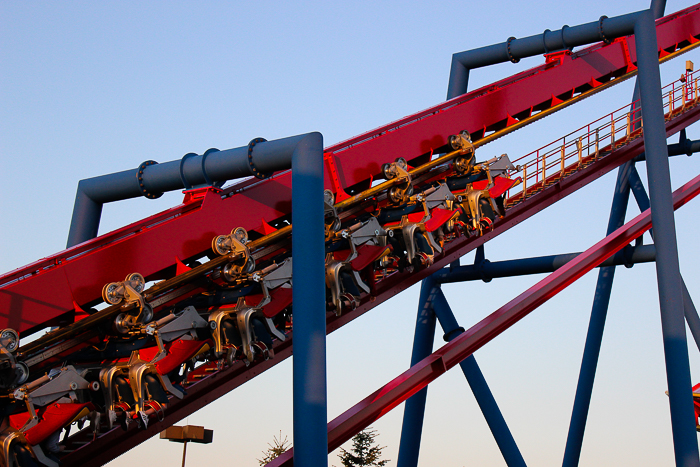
414 410
691 314
477 382
596 325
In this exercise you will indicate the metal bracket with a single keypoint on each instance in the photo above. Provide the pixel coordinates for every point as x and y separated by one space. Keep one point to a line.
128 292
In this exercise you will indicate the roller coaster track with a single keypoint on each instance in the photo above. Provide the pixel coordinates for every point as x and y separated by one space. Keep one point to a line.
549 174
542 192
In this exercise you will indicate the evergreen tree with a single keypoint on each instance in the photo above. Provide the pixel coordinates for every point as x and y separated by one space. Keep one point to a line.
363 452
275 449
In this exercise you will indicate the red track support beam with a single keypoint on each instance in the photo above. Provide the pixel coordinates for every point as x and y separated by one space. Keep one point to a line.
149 246
417 377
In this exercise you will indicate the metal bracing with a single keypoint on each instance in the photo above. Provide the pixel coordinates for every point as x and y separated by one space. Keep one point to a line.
380 402
433 304
414 410
486 270
477 382
601 301
689 311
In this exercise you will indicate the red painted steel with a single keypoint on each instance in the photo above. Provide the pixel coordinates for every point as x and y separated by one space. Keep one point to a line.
115 442
43 292
377 404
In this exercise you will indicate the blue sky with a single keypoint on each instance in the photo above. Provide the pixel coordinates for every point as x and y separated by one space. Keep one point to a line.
90 88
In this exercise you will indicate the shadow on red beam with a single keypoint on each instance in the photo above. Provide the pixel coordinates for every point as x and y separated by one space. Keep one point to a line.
420 375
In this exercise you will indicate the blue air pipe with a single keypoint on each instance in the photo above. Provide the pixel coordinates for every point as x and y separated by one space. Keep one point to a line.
151 179
480 388
487 270
605 29
414 409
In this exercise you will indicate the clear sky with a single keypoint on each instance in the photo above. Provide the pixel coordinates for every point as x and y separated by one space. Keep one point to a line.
89 88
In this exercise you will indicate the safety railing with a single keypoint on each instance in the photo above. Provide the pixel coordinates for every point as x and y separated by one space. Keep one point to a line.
584 146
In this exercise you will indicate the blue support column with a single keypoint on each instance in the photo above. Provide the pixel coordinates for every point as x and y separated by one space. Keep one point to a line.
414 410
667 267
477 382
309 328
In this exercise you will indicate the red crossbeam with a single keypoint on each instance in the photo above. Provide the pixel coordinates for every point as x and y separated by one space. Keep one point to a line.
420 375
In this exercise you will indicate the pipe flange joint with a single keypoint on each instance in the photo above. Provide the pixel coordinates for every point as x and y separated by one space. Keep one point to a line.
256 172
607 40
452 334
510 55
139 177
207 180
183 179
563 41
482 270
544 41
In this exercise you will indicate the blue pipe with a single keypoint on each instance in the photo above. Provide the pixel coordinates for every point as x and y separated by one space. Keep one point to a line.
487 270
605 29
477 382
151 179
310 407
414 410
667 267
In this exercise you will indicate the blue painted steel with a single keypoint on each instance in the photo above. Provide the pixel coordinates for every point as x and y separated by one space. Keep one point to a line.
414 410
549 41
596 325
309 326
477 382
691 314
154 178
668 271
488 270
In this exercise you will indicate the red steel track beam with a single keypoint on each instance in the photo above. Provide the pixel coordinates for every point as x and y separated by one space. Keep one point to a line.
110 445
33 296
451 354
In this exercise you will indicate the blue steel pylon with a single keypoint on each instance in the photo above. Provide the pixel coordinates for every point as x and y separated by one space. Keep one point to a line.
672 291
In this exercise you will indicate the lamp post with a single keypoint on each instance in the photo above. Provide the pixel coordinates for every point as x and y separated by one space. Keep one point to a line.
183 434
